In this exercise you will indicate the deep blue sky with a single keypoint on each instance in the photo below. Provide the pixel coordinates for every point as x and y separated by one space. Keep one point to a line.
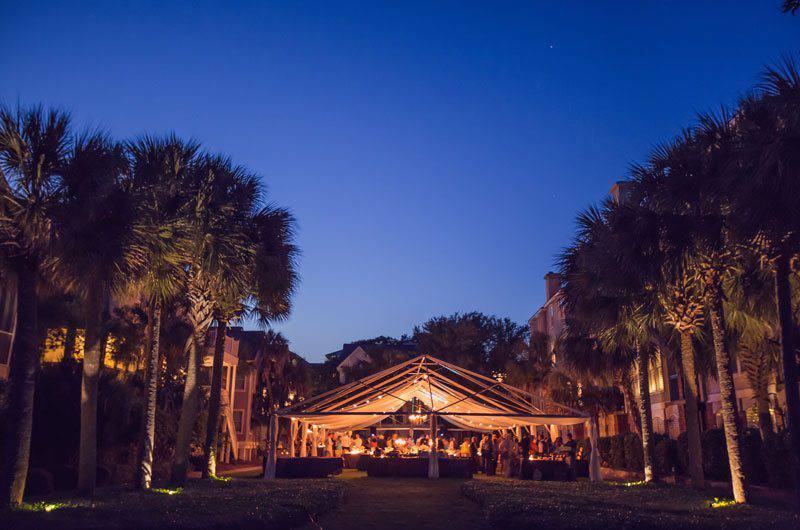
434 153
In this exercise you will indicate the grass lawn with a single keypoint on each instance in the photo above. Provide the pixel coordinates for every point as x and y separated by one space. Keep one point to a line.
238 503
530 504
374 503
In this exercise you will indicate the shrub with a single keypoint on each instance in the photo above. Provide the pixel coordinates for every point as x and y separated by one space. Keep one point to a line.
683 453
666 456
715 455
776 453
605 451
634 453
616 453
754 467
764 463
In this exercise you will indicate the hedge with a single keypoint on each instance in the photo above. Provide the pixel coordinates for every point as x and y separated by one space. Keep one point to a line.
764 463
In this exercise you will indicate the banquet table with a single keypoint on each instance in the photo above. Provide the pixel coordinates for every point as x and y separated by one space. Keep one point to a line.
355 461
546 470
417 467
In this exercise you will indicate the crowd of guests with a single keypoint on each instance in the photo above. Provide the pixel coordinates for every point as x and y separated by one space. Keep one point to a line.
504 453
495 453
337 444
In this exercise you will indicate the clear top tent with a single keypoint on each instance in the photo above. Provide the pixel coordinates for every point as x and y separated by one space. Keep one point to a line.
466 399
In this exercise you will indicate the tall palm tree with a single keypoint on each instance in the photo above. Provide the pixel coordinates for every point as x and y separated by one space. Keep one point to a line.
683 184
94 219
607 287
265 291
684 311
33 147
680 292
158 168
218 195
767 206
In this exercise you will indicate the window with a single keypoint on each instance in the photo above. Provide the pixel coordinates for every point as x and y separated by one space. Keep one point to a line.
656 380
240 379
225 377
8 314
238 420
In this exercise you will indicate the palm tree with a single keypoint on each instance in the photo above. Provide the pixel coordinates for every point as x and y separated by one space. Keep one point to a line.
681 294
683 310
608 296
94 221
682 184
767 206
753 323
33 147
158 167
218 196
265 290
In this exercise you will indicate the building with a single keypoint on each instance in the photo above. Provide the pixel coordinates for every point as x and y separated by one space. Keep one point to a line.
239 438
8 324
549 319
355 354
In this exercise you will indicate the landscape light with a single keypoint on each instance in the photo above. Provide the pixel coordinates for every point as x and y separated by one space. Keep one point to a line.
167 491
722 503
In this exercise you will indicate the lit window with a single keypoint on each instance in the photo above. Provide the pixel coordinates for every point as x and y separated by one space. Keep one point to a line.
655 376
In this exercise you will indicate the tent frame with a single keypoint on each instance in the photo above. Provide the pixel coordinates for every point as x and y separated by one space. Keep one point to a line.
504 401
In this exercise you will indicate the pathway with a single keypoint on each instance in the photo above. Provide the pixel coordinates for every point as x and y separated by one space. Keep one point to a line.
419 504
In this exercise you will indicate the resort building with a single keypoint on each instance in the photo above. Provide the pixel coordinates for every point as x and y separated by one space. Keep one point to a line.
239 438
8 324
354 354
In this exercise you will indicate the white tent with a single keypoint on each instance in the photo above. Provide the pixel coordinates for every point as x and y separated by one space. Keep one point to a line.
461 397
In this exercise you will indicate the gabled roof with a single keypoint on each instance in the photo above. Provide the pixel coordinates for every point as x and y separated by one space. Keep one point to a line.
370 345
464 398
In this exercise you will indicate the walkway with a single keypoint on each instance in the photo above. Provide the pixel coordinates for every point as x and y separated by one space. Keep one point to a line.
419 504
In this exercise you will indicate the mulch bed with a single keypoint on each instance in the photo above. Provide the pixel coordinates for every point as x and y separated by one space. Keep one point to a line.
560 505
238 503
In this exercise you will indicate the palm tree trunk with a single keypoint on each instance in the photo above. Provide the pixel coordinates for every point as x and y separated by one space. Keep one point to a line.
69 343
24 362
764 416
144 472
87 452
646 413
690 395
189 409
783 296
214 402
730 419
631 406
200 316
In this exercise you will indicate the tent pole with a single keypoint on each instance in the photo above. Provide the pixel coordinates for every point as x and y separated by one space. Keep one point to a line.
304 439
314 437
433 456
272 458
594 457
292 436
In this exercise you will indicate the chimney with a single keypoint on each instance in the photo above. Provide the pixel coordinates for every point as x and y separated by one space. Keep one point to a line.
552 284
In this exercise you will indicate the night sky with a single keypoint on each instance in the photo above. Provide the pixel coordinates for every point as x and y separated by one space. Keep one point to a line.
434 153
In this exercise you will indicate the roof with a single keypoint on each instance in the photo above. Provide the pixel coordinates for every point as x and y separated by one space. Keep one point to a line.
466 399
373 345
251 343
